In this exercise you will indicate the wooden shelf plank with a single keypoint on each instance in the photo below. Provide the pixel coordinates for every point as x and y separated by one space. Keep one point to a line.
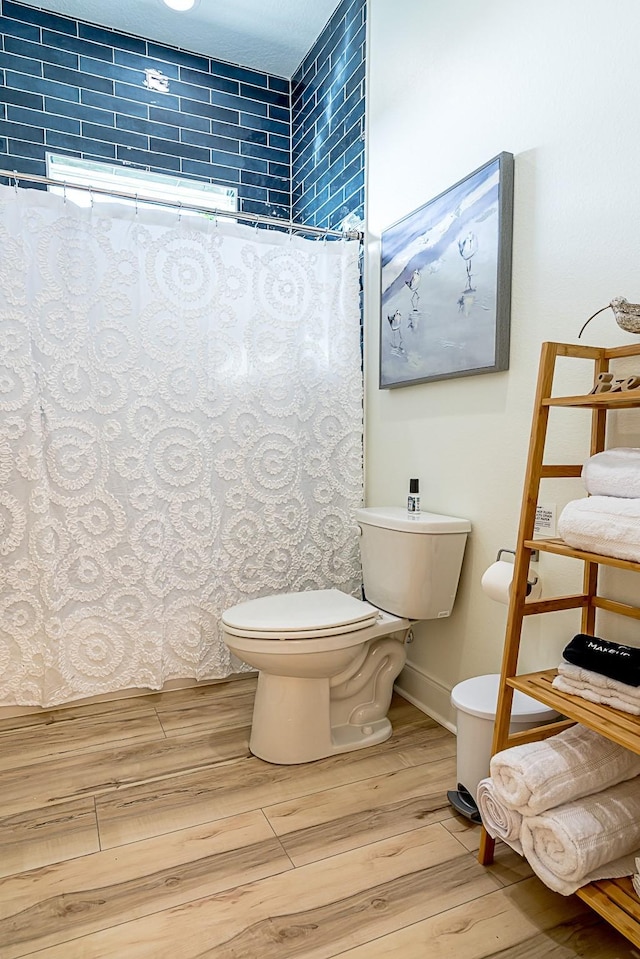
557 471
622 728
559 547
628 399
621 609
556 603
615 900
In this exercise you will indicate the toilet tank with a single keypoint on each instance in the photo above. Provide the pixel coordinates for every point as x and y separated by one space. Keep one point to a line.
411 563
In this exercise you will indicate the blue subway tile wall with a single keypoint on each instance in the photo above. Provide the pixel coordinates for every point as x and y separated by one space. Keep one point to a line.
286 146
71 87
328 109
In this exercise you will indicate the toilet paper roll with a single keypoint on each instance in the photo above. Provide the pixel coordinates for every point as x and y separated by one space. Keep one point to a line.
496 583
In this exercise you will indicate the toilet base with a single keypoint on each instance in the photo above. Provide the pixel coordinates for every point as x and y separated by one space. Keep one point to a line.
344 739
348 737
291 723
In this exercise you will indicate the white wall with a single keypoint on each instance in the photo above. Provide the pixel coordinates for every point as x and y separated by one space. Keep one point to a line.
452 83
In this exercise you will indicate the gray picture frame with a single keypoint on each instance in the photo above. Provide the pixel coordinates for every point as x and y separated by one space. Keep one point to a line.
446 282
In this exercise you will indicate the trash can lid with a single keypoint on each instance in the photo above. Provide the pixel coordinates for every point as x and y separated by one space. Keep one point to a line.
478 696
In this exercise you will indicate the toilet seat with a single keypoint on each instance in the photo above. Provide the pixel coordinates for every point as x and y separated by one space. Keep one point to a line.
310 614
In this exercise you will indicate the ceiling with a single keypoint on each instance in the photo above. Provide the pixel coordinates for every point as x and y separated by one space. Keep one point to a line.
272 36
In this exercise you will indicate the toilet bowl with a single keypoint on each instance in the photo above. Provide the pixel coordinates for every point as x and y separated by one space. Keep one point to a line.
327 661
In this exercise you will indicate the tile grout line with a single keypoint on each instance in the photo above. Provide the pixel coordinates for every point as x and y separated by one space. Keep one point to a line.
95 813
277 837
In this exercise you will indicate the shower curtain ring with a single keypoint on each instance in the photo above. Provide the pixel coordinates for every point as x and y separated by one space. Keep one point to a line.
290 233
15 181
136 204
180 211
91 197
64 192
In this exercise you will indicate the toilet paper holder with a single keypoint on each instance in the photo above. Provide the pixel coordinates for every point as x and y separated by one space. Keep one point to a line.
535 556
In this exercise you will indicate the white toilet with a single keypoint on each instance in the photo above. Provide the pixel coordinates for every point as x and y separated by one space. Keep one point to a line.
327 661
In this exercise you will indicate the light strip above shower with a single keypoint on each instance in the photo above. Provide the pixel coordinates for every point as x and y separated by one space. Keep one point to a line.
16 178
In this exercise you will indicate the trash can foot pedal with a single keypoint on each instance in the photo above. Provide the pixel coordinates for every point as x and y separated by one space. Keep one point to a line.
464 803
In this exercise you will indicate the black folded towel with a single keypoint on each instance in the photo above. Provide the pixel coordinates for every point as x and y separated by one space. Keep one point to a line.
604 657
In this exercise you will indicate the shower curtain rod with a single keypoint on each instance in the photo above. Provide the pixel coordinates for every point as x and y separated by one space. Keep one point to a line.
257 218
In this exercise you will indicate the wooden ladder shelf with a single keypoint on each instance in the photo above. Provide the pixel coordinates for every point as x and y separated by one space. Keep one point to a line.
614 900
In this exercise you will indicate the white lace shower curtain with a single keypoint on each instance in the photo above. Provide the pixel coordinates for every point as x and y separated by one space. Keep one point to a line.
180 431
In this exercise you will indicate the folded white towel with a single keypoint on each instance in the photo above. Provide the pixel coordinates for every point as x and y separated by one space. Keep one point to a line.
499 821
585 840
595 694
603 524
593 680
536 776
613 472
636 878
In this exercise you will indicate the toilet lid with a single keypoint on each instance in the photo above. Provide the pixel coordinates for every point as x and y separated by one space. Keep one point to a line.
315 612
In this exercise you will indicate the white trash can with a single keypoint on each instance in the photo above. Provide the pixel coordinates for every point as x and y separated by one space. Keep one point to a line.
476 701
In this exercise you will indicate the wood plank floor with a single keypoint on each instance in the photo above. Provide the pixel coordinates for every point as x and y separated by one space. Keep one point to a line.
144 829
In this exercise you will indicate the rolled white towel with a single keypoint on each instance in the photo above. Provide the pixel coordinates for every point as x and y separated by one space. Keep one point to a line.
603 524
595 694
613 472
635 879
539 775
596 837
499 821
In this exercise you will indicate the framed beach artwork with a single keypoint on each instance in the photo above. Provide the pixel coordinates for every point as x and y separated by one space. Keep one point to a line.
446 282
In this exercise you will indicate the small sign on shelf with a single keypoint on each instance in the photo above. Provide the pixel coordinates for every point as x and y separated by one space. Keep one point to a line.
545 523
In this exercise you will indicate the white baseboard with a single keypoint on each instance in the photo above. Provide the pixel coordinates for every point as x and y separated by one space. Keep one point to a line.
429 695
